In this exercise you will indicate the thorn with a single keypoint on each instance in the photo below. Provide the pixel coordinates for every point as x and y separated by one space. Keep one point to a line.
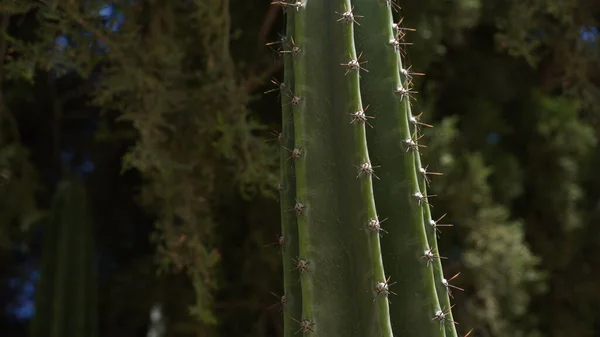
361 117
301 265
440 315
354 64
468 333
406 72
294 51
447 284
411 143
406 91
296 153
281 303
282 40
422 199
296 5
294 100
280 241
276 136
278 86
375 225
430 256
348 16
298 207
366 168
384 288
399 29
425 173
416 123
397 44
435 224
305 326
393 5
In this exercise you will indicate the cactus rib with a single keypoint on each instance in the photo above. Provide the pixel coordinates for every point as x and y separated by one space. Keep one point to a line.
291 300
438 272
398 193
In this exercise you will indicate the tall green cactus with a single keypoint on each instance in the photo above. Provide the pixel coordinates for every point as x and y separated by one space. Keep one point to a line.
331 151
66 296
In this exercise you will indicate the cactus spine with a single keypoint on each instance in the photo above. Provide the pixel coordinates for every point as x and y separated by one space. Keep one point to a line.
340 261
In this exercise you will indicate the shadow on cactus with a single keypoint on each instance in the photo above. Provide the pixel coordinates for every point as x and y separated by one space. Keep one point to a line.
358 237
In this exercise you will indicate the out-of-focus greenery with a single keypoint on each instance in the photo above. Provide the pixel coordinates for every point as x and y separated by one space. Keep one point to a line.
165 101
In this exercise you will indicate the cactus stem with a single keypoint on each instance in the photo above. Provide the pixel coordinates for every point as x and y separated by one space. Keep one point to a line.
349 17
436 225
430 256
375 226
447 284
440 316
361 117
366 168
384 288
354 65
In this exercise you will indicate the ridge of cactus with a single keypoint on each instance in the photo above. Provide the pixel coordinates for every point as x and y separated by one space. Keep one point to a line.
290 301
408 255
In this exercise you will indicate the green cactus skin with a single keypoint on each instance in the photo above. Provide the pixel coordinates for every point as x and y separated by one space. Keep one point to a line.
414 313
292 302
339 258
66 298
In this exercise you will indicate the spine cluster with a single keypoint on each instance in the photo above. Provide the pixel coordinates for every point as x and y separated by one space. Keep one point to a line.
336 54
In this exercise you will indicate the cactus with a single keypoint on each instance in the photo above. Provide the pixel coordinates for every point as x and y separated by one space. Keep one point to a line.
343 168
66 296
